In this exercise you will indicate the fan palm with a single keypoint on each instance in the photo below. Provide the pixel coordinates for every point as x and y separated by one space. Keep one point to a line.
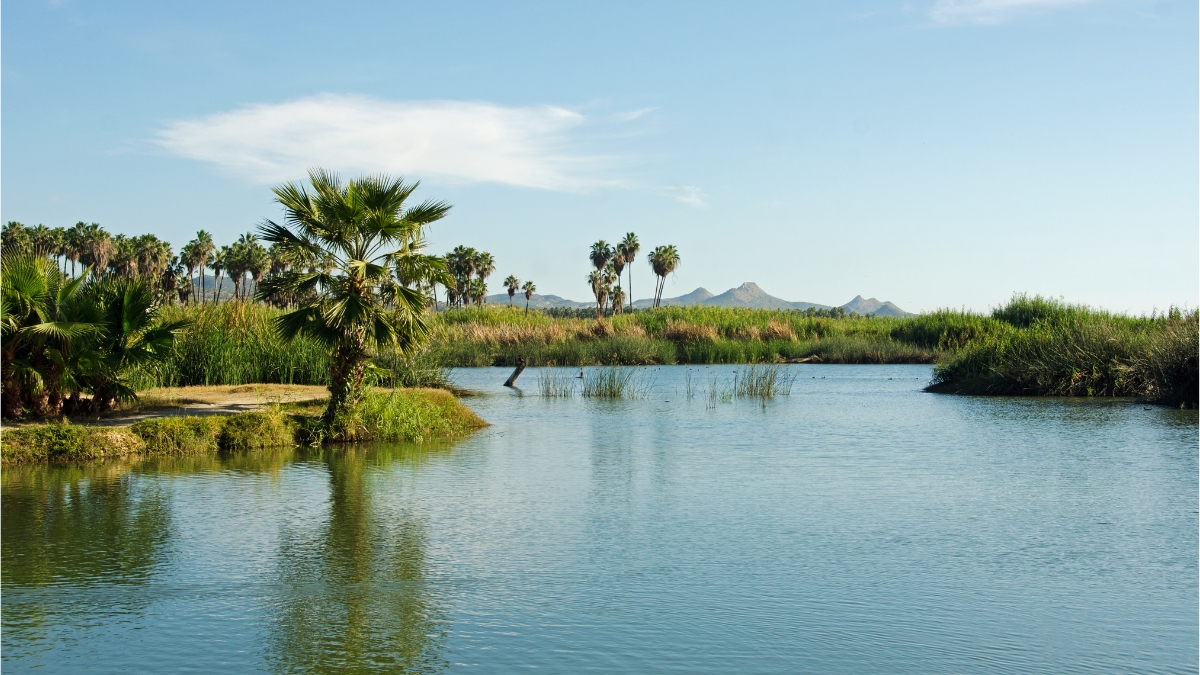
513 284
206 250
663 260
529 289
595 280
600 254
361 227
628 248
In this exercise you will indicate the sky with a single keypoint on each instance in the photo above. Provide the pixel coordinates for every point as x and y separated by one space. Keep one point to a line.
935 153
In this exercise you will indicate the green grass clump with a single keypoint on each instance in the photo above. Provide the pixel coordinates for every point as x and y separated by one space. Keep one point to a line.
1074 351
614 382
39 442
556 384
405 415
269 428
763 381
181 435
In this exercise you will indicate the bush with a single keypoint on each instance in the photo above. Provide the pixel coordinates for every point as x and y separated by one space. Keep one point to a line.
257 430
180 435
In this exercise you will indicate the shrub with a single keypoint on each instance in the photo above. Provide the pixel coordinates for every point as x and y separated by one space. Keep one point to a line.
180 435
257 430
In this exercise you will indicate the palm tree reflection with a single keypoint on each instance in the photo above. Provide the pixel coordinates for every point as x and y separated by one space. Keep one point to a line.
354 593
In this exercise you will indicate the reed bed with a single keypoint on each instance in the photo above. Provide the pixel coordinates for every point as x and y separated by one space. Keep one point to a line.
615 382
556 384
763 381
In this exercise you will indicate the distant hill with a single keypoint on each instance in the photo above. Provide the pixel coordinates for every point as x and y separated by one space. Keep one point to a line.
748 294
536 301
873 306
696 297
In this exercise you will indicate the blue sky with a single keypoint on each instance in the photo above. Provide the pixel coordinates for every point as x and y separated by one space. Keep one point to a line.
934 153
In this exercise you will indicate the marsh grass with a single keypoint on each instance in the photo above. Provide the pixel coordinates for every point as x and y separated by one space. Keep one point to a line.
555 384
763 381
616 382
717 393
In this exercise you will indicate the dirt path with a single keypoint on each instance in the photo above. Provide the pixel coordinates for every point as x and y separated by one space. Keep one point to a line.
220 400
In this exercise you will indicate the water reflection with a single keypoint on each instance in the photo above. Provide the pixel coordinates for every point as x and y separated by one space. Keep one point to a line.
354 594
77 526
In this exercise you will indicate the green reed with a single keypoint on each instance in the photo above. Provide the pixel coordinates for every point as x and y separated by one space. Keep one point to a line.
615 382
763 381
555 384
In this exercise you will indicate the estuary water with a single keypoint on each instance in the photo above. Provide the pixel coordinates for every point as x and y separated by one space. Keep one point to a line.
858 525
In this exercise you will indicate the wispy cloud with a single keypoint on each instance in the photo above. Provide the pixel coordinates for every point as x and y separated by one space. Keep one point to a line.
632 115
687 194
454 140
992 11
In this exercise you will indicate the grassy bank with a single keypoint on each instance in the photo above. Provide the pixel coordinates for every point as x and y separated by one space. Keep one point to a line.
398 415
1052 349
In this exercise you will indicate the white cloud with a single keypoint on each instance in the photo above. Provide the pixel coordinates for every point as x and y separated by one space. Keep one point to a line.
632 115
687 194
991 11
454 140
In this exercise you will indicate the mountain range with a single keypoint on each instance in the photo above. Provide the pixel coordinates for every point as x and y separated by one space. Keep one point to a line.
748 294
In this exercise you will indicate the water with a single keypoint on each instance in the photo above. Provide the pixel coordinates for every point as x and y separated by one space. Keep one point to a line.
856 526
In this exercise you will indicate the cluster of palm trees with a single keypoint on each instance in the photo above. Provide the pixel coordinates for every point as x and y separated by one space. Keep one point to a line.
513 284
92 247
610 261
469 270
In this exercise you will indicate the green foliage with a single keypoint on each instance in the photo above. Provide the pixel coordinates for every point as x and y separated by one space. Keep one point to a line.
763 381
404 415
614 382
233 343
181 435
257 430
1073 351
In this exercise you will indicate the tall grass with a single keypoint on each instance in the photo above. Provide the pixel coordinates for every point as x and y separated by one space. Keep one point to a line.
615 382
233 343
1059 350
555 384
763 381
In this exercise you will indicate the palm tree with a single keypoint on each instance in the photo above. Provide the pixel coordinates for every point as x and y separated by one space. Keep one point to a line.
663 260
513 284
529 288
618 299
361 227
628 248
601 253
608 276
97 248
189 257
76 243
478 291
485 264
218 266
595 280
39 331
206 250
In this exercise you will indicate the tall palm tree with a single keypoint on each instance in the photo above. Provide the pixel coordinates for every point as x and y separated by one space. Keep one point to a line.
97 248
485 265
218 266
618 299
513 284
663 260
529 289
595 280
361 227
206 250
600 254
189 257
76 243
628 248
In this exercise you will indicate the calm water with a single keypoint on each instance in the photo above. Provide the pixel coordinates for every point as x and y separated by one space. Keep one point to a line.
857 526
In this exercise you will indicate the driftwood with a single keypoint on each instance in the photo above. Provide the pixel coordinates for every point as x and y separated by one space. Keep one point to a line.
808 359
512 379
